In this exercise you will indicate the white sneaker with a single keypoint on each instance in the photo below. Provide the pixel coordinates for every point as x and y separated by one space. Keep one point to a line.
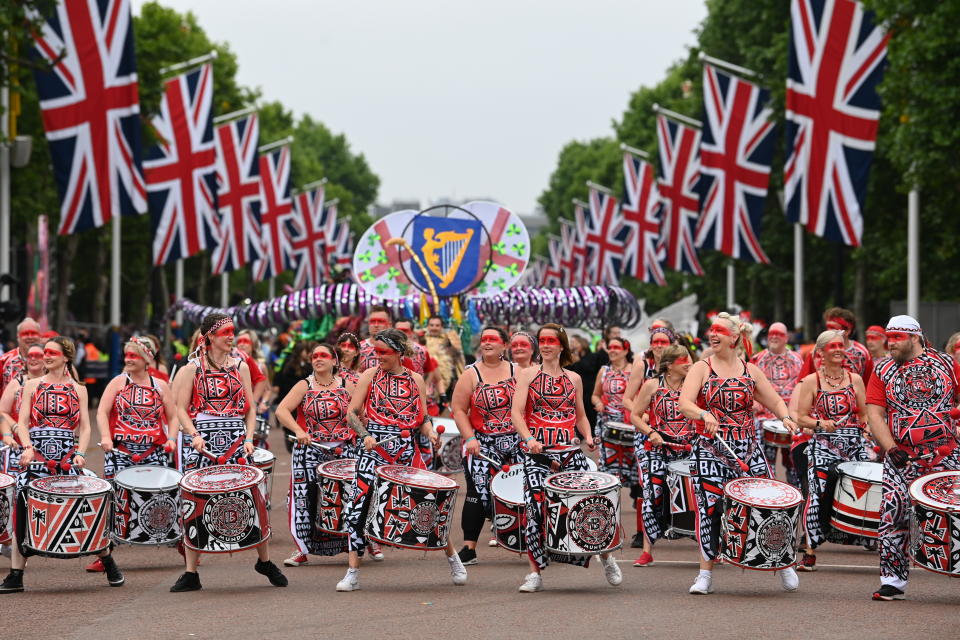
458 573
702 585
532 583
492 543
789 579
375 552
350 582
611 570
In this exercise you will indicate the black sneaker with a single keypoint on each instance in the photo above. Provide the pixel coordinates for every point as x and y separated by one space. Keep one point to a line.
637 541
114 575
468 556
888 592
189 581
13 583
272 572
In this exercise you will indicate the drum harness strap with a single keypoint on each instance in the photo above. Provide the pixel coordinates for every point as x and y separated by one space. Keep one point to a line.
63 463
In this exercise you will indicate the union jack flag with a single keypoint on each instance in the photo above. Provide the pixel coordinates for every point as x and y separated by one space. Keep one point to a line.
181 170
308 241
735 155
552 274
678 147
581 252
568 241
606 237
90 103
343 245
275 214
330 228
837 56
533 276
238 194
641 214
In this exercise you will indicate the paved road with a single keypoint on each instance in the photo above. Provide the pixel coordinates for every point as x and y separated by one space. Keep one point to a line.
410 596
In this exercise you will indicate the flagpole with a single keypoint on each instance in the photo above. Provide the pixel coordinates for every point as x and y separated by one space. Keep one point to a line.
233 115
679 117
271 288
178 287
731 286
634 151
225 289
193 62
913 252
797 276
5 188
273 145
729 66
599 187
115 274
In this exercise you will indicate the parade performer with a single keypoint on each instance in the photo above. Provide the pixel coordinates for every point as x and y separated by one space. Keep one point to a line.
876 339
953 346
155 365
378 319
646 367
10 403
720 392
832 407
348 352
13 362
423 363
858 358
523 350
916 389
321 402
656 415
248 346
53 414
216 413
481 408
782 368
390 398
548 411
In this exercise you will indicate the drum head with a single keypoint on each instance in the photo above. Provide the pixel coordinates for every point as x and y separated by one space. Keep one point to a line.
338 469
939 490
581 481
763 492
222 478
262 457
508 485
775 425
70 485
679 467
152 478
6 481
869 471
415 477
619 426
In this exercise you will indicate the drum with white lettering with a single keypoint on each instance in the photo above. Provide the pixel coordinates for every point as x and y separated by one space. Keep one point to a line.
682 516
582 512
508 505
68 516
147 505
935 523
759 524
222 509
411 508
334 485
857 498
8 486
265 461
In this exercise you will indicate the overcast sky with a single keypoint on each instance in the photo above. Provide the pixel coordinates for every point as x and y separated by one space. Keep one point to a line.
450 98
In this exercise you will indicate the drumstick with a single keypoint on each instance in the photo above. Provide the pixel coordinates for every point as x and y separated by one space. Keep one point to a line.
740 463
403 434
497 466
337 450
673 445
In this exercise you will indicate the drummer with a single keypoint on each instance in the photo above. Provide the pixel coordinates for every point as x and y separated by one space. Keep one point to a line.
523 350
481 408
10 403
876 338
216 411
348 352
390 399
548 412
656 414
833 409
53 416
321 403
858 358
720 392
378 319
661 337
917 433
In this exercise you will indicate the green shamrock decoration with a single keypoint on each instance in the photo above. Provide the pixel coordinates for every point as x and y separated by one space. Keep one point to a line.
513 230
366 256
500 247
373 239
366 276
520 248
393 272
382 257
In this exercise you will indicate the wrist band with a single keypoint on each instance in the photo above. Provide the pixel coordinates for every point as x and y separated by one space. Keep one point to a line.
703 413
529 439
473 438
248 440
196 435
79 454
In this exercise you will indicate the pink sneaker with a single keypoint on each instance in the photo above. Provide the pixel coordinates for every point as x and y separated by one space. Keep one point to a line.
645 560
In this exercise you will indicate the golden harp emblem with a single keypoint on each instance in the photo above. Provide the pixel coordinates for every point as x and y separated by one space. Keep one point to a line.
443 252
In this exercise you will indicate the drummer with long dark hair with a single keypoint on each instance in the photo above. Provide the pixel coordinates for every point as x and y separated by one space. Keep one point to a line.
720 392
348 353
390 398
322 433
216 411
481 408
548 412
54 429
647 366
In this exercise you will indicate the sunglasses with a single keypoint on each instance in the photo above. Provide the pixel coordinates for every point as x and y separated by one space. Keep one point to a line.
322 355
383 351
130 355
491 340
52 353
550 340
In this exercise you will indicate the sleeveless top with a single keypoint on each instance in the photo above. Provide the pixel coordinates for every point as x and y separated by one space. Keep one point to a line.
55 406
349 375
394 399
919 394
612 385
419 358
491 403
217 392
730 400
138 412
323 413
665 411
551 411
837 404
368 356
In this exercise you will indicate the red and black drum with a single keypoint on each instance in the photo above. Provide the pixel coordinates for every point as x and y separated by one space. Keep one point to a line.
508 505
147 505
222 509
935 527
759 524
8 486
334 485
857 498
264 460
682 516
776 435
411 508
68 516
582 512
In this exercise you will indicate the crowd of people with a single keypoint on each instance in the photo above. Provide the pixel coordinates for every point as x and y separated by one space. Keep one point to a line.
702 412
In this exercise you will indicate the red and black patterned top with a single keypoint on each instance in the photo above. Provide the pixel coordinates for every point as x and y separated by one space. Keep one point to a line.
730 400
551 411
12 366
55 406
368 356
349 376
613 382
837 404
394 399
783 372
856 359
490 404
665 413
419 358
323 413
137 412
218 392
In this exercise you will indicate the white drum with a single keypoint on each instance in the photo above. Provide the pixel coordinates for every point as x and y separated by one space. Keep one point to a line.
147 505
857 498
683 506
449 457
776 435
265 461
506 488
582 513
